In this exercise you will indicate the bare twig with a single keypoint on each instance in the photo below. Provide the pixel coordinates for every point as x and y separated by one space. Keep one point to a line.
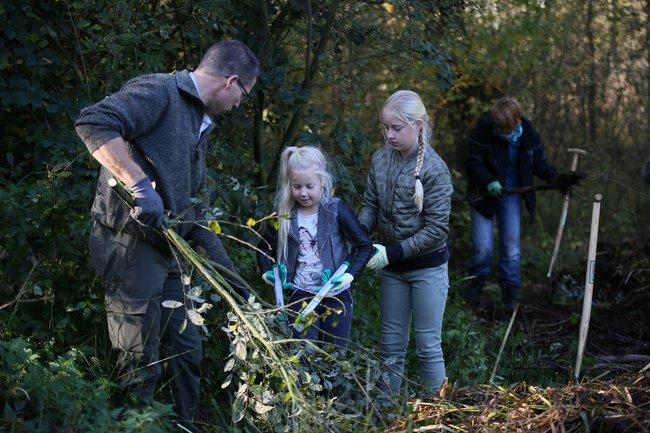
503 343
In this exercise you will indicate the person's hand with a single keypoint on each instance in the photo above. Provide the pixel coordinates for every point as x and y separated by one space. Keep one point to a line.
325 276
380 259
494 188
148 209
269 278
564 181
342 280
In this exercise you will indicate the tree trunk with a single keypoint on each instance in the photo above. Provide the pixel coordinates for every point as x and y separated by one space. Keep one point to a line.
310 72
590 88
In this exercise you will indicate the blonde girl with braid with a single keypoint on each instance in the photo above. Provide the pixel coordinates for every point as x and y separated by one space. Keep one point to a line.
408 202
318 233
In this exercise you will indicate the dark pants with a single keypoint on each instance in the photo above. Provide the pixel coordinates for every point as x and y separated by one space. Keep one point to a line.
333 329
137 277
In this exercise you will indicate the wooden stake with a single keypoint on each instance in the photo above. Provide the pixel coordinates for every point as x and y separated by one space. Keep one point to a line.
565 209
589 283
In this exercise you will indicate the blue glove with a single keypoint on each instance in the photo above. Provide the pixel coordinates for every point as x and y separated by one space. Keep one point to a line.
148 209
269 278
495 189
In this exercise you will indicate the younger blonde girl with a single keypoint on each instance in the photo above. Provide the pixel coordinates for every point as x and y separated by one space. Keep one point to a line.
312 242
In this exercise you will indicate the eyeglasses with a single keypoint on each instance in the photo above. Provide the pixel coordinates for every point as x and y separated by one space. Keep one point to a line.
245 97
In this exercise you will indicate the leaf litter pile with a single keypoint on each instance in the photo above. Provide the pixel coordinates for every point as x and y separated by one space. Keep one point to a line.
621 405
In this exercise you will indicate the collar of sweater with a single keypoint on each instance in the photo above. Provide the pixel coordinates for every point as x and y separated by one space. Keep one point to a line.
184 83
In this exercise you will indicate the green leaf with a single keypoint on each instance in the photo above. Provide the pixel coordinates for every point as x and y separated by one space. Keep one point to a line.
172 304
195 317
227 381
262 408
238 408
240 351
229 365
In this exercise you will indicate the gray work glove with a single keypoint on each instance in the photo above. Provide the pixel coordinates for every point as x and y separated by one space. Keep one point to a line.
148 209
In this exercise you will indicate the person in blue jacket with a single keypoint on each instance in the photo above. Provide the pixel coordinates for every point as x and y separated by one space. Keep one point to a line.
505 151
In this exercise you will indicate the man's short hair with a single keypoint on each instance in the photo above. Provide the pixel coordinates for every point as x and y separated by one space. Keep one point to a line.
506 113
231 57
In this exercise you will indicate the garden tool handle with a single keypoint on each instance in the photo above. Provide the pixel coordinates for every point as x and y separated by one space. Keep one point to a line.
277 287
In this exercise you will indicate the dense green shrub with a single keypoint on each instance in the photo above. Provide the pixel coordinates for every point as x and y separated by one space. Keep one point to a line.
57 397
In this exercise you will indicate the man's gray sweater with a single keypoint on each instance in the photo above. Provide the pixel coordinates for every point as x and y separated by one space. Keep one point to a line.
159 116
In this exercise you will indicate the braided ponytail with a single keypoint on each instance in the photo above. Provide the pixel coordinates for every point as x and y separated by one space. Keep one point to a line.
424 139
419 189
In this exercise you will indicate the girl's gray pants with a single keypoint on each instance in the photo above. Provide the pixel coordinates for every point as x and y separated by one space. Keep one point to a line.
419 294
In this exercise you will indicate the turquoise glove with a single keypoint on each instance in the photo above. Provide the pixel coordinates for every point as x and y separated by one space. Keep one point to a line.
495 189
269 277
325 277
342 280
380 259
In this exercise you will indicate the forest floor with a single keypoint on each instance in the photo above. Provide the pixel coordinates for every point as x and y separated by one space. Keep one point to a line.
613 394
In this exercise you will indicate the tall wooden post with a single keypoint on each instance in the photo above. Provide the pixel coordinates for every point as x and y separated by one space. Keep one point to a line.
589 283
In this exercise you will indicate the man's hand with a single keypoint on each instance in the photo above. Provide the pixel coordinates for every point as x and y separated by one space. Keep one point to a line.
495 189
148 209
380 259
564 181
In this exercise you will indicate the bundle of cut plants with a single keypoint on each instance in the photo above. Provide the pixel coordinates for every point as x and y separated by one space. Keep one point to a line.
280 383
619 405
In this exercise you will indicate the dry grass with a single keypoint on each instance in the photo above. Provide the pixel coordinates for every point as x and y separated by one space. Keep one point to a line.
620 405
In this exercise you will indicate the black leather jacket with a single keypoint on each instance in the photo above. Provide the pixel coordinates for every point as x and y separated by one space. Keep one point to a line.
340 238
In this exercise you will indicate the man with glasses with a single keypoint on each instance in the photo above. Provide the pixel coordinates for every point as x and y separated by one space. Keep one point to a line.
155 129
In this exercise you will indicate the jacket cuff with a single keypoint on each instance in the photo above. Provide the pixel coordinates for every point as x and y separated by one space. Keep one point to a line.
395 252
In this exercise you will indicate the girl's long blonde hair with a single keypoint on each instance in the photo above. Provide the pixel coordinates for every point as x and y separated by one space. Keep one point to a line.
297 158
409 108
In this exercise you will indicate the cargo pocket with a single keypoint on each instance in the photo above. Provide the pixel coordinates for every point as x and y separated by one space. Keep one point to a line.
110 253
128 324
97 248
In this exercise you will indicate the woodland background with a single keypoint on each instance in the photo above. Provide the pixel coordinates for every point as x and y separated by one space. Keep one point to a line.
580 69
